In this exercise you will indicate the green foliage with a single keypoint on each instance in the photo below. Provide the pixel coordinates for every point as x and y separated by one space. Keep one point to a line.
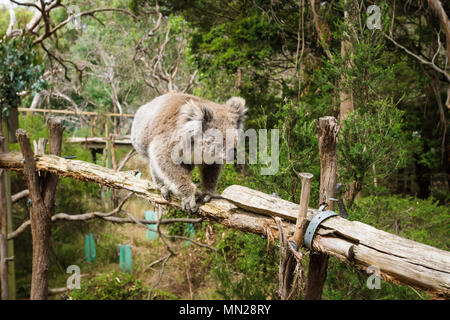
175 229
422 220
346 283
241 47
111 286
245 268
367 139
20 70
298 151
158 294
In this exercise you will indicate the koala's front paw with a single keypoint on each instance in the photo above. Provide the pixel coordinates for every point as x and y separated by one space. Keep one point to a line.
189 204
205 197
165 192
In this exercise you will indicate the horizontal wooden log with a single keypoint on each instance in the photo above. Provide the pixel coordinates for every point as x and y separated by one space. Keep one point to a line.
98 141
399 260
84 113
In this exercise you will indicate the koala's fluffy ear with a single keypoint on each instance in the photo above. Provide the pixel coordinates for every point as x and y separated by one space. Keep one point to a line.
237 106
194 117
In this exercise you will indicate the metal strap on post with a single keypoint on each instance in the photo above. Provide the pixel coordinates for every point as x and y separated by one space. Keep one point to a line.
314 224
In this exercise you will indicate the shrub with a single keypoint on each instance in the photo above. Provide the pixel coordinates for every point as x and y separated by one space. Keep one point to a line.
111 286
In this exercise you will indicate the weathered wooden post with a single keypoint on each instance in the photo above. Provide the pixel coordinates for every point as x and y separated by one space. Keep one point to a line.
327 130
108 143
112 138
39 147
107 193
93 125
42 190
6 203
288 287
300 225
3 227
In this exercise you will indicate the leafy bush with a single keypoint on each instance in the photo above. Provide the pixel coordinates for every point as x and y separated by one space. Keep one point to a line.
111 286
298 151
20 70
366 143
245 268
422 220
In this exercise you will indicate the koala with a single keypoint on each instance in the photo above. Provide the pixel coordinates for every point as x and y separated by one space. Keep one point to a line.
165 127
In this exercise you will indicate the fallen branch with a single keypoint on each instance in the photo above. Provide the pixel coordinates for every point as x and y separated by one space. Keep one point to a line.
104 216
20 195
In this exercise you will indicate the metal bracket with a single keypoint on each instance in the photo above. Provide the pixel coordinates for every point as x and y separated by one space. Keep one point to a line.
314 224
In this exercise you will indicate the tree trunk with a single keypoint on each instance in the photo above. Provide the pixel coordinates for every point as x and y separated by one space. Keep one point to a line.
42 190
345 94
40 222
6 205
3 227
327 130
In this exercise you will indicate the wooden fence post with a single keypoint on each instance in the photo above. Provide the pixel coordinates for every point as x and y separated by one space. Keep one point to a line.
112 138
42 190
327 130
6 204
4 227
299 233
288 265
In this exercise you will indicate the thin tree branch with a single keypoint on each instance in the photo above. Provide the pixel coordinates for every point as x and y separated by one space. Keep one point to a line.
20 195
49 32
420 59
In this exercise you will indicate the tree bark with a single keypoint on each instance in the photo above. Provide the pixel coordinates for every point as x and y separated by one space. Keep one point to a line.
327 130
42 193
40 222
287 287
345 93
3 226
4 127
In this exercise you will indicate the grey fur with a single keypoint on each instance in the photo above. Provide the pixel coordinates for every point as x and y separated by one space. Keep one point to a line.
158 128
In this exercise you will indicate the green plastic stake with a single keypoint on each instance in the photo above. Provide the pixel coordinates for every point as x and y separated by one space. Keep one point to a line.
89 249
151 234
126 263
189 232
93 250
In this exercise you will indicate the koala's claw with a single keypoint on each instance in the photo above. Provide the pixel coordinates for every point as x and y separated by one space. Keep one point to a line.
205 197
189 204
165 193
